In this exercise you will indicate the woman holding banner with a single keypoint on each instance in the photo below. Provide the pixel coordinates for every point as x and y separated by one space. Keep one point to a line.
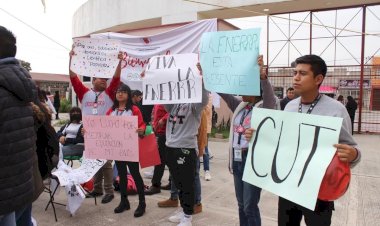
123 106
247 195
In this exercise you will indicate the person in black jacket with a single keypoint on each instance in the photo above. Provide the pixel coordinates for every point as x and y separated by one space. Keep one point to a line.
57 104
70 135
351 108
17 135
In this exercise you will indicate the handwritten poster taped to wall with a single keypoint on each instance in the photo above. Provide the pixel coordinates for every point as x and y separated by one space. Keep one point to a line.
172 79
229 61
290 152
111 137
95 57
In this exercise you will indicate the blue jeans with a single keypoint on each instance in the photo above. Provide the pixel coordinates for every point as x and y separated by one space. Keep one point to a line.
8 219
247 195
197 184
206 160
24 216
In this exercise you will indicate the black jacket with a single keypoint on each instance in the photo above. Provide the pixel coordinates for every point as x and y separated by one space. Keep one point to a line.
17 136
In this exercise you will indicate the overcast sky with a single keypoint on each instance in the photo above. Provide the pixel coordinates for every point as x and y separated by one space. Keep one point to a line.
43 54
49 57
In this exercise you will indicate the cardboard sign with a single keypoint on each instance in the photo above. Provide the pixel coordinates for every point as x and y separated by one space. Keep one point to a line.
95 57
229 61
111 137
290 153
172 79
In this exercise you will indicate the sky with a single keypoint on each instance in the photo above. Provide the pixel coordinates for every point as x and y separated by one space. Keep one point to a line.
44 55
47 56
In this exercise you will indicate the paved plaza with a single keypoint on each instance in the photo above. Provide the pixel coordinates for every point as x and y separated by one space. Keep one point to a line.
359 207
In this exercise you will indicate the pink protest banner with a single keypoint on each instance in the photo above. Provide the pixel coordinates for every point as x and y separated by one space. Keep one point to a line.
111 137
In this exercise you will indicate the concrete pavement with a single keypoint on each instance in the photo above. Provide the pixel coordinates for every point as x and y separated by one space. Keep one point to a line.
359 207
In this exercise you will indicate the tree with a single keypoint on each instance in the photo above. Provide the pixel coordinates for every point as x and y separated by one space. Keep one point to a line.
26 65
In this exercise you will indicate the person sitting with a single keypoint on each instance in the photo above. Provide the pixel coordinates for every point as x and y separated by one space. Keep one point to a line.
70 134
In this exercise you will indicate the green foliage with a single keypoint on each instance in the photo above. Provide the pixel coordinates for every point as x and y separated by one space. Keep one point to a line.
25 65
65 106
61 122
223 128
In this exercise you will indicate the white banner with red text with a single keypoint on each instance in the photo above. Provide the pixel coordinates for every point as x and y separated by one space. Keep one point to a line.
139 49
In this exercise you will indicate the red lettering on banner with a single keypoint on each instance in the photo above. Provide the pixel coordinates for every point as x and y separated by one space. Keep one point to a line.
133 61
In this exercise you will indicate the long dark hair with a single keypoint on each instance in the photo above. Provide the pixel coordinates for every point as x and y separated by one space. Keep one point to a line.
129 104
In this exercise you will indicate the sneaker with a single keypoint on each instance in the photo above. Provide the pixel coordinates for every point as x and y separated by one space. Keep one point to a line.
186 221
107 198
207 175
34 222
152 190
168 203
177 217
197 208
200 159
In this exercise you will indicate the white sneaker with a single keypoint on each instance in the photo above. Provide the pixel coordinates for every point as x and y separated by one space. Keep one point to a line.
186 221
177 217
207 175
34 222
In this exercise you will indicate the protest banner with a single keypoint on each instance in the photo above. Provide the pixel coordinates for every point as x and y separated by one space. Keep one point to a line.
229 61
111 137
290 153
95 57
139 49
172 79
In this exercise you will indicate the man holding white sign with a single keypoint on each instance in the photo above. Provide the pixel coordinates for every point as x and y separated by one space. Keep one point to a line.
309 74
247 195
97 101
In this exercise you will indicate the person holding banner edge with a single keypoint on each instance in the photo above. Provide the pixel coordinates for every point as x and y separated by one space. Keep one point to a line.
247 195
123 106
308 75
97 101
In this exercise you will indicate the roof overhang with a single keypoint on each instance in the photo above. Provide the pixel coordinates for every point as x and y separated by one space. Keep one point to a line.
97 16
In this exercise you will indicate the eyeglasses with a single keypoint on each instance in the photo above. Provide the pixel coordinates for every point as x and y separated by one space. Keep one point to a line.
121 91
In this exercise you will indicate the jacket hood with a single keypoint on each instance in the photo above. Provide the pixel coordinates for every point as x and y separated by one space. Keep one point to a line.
15 79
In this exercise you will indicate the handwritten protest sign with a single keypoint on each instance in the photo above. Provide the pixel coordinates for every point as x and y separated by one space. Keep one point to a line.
72 178
84 173
229 61
95 57
290 153
111 137
172 79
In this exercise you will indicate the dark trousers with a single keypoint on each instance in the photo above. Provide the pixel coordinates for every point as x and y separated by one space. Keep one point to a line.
247 195
56 110
159 169
135 172
182 163
290 214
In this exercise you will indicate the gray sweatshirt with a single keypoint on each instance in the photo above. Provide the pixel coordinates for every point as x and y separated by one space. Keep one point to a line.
183 123
328 106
